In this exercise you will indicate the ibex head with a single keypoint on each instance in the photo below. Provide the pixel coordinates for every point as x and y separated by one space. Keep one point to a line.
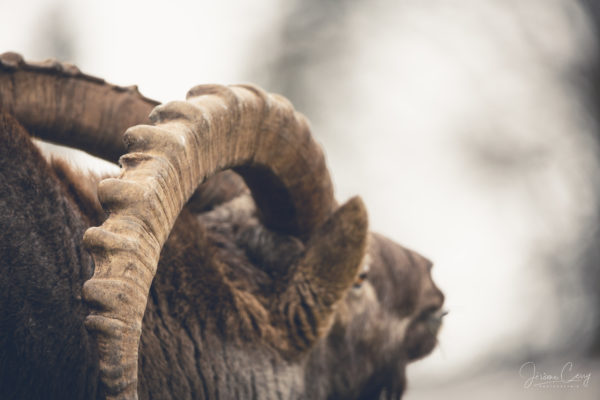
344 308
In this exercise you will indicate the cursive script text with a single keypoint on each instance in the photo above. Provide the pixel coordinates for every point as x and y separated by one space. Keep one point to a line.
567 378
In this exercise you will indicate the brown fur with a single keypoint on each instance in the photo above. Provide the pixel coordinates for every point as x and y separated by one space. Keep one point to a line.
45 351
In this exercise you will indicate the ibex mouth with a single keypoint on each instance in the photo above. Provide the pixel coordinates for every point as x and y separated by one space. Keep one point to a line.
433 319
422 333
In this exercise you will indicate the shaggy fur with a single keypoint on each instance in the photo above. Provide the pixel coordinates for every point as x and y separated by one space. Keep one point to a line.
45 349
210 330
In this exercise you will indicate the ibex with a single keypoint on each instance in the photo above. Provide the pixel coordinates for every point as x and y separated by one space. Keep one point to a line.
197 283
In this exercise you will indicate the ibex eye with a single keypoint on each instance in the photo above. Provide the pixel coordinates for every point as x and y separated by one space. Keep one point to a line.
362 276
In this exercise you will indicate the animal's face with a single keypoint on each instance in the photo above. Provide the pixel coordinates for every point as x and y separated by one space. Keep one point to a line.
406 294
388 320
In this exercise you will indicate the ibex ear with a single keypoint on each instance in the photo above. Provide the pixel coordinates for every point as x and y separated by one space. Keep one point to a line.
335 252
331 261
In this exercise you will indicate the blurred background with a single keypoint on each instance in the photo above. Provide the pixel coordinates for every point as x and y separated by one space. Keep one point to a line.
469 127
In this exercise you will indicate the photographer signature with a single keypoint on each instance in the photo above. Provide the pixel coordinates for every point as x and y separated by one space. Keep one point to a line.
567 379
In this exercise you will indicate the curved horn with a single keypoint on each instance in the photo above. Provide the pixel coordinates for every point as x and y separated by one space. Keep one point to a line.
59 103
215 129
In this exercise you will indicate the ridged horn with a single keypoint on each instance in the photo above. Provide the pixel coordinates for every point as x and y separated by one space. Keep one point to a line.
217 128
57 102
